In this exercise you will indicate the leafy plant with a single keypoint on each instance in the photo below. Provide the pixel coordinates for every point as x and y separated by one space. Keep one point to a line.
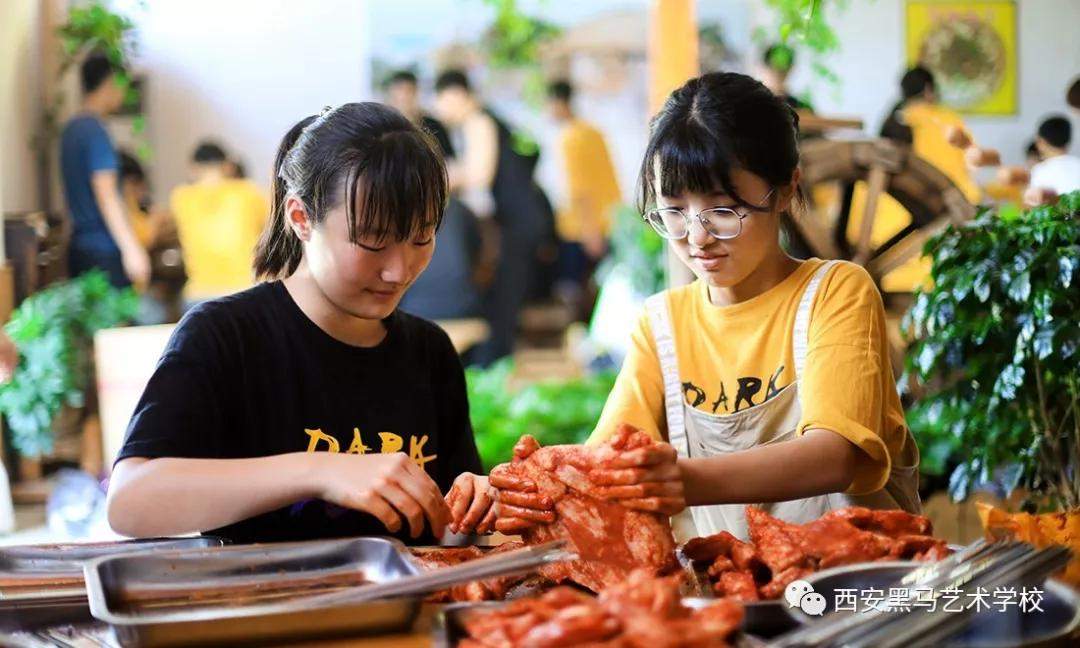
635 251
802 24
91 27
997 345
514 42
555 411
53 330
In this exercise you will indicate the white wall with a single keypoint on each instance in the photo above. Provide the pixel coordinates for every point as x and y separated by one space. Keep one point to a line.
20 73
872 61
243 72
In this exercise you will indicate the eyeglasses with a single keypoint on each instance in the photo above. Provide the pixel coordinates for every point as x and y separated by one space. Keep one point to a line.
721 223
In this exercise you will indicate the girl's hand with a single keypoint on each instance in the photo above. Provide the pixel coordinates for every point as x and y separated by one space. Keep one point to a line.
519 505
472 504
645 479
389 486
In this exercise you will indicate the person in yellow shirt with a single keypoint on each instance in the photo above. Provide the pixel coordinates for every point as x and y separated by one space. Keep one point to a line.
590 194
219 220
769 377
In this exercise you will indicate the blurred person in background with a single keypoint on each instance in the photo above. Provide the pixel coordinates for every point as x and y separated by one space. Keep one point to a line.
1072 95
147 222
590 195
403 93
776 65
102 236
1057 173
494 177
219 220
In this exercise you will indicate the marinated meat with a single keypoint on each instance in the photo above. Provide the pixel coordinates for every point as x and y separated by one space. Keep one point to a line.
781 552
610 539
642 612
492 589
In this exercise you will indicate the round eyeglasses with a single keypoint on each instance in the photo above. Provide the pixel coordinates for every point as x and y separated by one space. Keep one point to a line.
721 223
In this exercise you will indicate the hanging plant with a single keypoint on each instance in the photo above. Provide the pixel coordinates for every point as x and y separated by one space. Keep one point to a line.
996 342
514 41
53 330
802 24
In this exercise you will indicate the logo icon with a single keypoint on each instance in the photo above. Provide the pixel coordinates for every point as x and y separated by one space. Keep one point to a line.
801 594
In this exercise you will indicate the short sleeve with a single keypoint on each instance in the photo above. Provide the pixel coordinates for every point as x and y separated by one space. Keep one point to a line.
182 412
101 156
847 371
638 395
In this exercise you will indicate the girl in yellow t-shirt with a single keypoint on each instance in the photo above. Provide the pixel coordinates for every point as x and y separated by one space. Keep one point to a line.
769 377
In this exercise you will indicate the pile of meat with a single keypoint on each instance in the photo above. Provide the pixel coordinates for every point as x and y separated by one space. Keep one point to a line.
492 589
610 539
643 611
781 552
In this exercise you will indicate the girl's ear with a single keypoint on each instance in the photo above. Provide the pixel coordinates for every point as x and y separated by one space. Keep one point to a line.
790 191
297 218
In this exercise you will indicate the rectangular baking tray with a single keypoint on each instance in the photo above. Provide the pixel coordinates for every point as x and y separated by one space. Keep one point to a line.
43 584
764 619
247 594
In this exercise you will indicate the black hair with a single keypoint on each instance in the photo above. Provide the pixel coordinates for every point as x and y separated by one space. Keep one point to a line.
1032 150
95 70
779 57
1056 131
560 90
711 125
402 76
452 79
1072 97
240 171
916 81
129 167
208 152
390 172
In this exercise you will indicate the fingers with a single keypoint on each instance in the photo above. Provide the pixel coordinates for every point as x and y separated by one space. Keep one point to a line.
458 499
406 505
513 526
482 504
664 505
510 511
487 524
504 481
631 476
643 490
536 501
377 506
658 453
426 493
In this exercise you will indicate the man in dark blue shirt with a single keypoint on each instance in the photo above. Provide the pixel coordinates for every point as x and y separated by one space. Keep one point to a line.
101 235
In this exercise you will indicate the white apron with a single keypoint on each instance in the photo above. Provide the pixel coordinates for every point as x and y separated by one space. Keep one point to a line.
695 433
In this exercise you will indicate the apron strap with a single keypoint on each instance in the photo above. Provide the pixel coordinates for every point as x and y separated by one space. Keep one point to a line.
660 322
800 336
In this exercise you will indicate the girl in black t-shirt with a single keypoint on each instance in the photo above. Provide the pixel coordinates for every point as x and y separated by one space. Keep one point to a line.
308 406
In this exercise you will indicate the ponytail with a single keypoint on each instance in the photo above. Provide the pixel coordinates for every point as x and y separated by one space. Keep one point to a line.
279 251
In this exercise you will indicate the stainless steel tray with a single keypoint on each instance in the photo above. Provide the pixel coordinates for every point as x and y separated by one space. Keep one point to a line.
763 620
246 594
43 584
1057 625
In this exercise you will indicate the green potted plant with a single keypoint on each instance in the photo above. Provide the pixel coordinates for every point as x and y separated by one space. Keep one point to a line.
996 347
53 330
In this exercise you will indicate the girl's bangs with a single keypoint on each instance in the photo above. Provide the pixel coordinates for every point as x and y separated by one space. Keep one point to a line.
688 160
397 189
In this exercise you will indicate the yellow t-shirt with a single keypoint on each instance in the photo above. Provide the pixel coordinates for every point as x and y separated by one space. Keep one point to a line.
592 190
219 224
734 357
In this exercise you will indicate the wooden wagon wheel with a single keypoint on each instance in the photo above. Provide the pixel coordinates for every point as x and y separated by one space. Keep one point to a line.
887 168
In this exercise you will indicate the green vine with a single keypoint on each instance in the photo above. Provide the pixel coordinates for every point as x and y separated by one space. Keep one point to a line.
514 42
53 330
802 24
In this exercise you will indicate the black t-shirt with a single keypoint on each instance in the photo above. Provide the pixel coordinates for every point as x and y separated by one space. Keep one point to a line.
250 375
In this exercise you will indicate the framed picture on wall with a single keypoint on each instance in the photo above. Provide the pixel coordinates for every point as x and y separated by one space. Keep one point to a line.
971 47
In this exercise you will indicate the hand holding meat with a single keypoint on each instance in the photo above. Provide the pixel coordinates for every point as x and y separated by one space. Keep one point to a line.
643 477
520 505
472 504
389 486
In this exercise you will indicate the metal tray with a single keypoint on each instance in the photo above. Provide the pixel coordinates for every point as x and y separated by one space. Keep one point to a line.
763 620
43 584
246 594
1057 625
